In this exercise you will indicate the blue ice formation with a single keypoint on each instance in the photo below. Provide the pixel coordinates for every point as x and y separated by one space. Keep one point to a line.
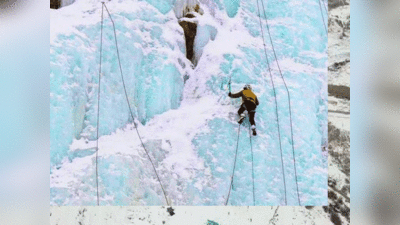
195 165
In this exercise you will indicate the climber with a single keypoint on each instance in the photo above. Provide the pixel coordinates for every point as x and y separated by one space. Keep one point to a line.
249 103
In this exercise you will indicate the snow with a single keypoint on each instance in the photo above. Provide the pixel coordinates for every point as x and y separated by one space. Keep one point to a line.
339 113
339 50
183 7
189 128
66 2
196 215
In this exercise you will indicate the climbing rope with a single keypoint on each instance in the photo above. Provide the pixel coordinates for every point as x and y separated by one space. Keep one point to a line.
322 14
287 90
234 165
276 102
230 79
252 167
130 110
98 106
326 9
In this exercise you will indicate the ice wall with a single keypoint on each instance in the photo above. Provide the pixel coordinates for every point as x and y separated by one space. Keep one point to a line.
151 45
190 130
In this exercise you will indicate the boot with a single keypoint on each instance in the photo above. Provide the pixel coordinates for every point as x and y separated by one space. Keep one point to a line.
240 121
253 128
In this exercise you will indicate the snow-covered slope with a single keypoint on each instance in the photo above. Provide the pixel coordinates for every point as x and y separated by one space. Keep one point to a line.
339 45
184 116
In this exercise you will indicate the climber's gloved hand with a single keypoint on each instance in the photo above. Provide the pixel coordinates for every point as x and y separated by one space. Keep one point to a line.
230 94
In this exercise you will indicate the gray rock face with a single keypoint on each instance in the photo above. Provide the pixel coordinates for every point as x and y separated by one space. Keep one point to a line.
339 112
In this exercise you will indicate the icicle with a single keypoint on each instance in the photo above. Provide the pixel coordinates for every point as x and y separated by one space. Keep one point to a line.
184 6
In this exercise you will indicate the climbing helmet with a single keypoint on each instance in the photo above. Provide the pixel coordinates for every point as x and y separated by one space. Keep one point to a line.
247 87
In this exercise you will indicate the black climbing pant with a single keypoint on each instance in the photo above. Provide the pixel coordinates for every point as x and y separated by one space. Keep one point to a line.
251 109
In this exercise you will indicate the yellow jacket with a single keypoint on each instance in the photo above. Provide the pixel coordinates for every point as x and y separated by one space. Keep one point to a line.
247 95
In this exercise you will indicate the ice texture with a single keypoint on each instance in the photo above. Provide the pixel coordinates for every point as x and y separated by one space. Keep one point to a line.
184 116
66 2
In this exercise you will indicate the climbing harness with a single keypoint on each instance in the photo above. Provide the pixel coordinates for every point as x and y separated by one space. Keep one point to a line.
130 109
